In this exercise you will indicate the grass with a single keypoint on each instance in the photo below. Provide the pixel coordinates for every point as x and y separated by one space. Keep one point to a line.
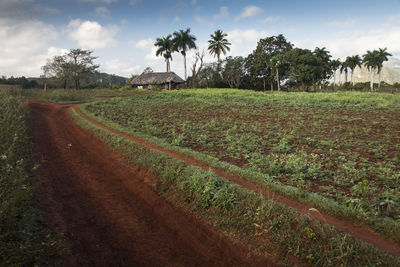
24 239
268 227
61 96
337 151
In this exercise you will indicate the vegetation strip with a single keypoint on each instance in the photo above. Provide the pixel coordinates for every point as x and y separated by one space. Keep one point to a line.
363 232
25 239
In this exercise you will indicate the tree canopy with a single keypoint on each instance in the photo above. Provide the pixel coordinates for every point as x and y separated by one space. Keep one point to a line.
218 44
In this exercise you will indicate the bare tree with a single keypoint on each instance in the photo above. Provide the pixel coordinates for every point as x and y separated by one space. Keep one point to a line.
198 58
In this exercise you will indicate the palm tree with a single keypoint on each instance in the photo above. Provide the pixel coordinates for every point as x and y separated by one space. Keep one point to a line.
165 49
218 44
372 60
353 62
335 64
383 56
344 68
184 41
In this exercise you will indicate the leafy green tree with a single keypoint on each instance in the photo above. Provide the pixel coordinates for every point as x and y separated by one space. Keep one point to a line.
353 62
165 49
147 70
372 60
81 63
233 71
304 67
209 76
260 64
218 44
59 68
383 56
184 41
324 67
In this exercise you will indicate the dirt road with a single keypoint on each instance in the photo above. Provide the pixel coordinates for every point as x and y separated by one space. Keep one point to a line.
109 215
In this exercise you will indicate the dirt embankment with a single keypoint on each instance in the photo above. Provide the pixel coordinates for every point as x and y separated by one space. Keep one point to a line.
109 215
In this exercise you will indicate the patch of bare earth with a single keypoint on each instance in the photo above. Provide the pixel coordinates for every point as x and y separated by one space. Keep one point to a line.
109 214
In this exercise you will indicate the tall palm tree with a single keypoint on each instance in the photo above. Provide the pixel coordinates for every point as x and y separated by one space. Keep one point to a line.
383 56
335 64
218 44
344 68
353 62
184 41
372 60
165 49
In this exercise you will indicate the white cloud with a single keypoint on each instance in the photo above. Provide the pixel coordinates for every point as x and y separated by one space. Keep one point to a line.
223 13
343 23
249 11
102 11
91 35
98 1
348 44
177 19
25 46
152 54
271 19
144 44
119 67
244 41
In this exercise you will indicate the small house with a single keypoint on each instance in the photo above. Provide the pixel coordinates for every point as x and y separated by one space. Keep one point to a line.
165 80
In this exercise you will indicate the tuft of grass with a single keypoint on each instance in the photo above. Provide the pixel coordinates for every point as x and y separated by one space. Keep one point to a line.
269 228
24 238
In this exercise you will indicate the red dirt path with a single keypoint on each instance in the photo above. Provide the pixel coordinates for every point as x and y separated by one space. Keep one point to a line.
109 215
362 232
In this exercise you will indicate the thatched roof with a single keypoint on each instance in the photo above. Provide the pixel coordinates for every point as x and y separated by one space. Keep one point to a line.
157 78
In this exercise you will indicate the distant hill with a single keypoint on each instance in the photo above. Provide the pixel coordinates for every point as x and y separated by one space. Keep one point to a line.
390 72
98 79
104 79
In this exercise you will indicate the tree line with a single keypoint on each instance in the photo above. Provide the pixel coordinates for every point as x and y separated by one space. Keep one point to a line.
274 62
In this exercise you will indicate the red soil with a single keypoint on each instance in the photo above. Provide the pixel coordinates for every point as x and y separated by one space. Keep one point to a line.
362 232
109 214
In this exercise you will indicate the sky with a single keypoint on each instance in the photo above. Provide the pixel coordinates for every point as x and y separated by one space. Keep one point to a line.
121 33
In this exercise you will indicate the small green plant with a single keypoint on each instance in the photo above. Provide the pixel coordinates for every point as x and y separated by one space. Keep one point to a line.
310 233
282 147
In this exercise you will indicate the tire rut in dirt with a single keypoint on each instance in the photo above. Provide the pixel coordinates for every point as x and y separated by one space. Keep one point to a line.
109 215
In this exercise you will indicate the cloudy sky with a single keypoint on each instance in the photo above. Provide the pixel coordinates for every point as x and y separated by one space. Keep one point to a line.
121 33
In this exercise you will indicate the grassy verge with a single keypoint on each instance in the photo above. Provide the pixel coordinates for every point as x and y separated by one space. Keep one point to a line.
220 119
61 96
268 227
24 239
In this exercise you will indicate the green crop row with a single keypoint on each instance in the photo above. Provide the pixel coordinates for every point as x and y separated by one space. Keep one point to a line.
24 240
